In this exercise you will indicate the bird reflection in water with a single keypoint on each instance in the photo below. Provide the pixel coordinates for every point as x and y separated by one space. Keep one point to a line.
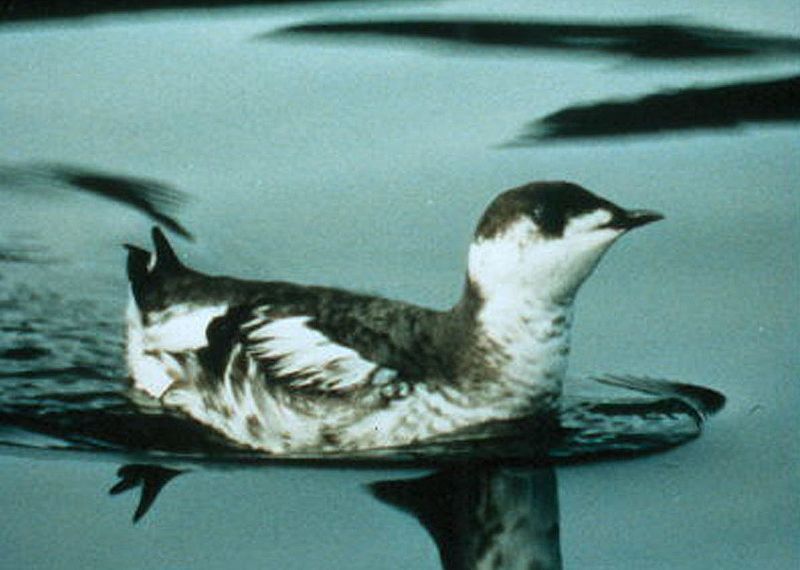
483 516
151 479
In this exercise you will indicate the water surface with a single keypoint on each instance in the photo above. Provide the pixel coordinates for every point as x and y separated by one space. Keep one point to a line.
364 163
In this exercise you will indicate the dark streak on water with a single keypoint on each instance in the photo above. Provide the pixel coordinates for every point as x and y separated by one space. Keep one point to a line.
714 107
641 40
12 253
23 353
34 10
151 197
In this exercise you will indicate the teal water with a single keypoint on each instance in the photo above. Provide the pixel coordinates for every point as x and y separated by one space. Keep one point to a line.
364 163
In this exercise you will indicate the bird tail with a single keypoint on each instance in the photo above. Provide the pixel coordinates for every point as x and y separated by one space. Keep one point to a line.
166 260
145 267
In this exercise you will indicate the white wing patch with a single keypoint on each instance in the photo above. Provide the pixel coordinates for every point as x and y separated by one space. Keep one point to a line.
177 329
181 327
309 359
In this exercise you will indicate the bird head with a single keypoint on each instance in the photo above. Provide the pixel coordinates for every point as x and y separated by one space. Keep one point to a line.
544 239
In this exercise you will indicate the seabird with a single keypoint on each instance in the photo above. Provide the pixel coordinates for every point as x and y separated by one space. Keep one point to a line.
288 368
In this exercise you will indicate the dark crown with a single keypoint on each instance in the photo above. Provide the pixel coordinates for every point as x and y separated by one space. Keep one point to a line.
549 204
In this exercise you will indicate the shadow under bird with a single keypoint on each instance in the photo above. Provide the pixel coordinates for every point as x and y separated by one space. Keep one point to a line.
290 369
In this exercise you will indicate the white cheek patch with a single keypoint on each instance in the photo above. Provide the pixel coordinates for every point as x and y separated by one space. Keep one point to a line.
587 222
310 357
518 264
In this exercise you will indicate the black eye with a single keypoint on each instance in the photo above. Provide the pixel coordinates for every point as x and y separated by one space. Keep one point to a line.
548 218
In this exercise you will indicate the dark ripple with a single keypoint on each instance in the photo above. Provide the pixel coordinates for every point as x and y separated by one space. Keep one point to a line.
641 40
68 373
23 353
33 10
17 254
151 197
716 107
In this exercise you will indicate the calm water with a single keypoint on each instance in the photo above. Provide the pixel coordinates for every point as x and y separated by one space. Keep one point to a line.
363 161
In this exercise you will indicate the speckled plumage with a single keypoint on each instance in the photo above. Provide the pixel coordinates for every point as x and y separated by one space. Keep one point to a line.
286 368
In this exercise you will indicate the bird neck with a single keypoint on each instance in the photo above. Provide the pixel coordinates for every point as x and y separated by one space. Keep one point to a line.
519 343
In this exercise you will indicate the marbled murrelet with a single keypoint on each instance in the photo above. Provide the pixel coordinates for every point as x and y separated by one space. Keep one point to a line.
286 368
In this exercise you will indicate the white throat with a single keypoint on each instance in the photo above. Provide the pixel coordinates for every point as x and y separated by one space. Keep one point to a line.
527 342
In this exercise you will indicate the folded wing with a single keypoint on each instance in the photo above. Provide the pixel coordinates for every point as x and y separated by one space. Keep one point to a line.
291 352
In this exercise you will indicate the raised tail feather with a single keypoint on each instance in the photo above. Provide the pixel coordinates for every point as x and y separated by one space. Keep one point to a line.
166 260
138 260
142 269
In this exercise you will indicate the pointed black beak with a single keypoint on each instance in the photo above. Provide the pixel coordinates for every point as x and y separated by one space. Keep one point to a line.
629 219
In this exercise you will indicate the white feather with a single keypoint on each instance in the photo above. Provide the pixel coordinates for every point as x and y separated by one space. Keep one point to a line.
305 352
148 372
178 329
181 327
